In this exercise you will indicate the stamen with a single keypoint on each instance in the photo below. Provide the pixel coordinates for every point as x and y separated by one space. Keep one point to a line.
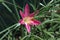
27 19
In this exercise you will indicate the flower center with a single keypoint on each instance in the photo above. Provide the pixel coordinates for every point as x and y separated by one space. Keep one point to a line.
28 20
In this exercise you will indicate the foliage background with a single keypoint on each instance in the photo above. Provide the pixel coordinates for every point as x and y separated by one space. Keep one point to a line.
49 15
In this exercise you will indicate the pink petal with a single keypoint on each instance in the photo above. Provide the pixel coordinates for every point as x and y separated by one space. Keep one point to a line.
34 13
22 14
35 22
27 27
21 21
27 10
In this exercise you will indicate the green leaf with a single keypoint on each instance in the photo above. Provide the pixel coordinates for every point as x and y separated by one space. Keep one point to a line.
48 33
16 10
8 28
1 0
4 35
3 21
32 6
7 7
53 28
52 39
9 10
33 36
58 38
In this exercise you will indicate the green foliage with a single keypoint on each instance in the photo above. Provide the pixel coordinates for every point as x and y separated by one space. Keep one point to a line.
49 15
1 0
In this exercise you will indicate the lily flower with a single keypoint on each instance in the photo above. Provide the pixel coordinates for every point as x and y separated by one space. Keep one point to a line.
28 18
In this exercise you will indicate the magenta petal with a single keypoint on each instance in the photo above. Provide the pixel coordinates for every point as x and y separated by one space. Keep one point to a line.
32 14
21 13
21 21
27 10
36 12
35 22
27 27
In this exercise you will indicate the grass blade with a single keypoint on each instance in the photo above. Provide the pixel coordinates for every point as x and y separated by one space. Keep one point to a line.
16 10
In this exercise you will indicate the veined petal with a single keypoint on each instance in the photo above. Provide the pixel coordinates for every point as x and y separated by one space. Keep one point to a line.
27 27
35 22
27 10
21 13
